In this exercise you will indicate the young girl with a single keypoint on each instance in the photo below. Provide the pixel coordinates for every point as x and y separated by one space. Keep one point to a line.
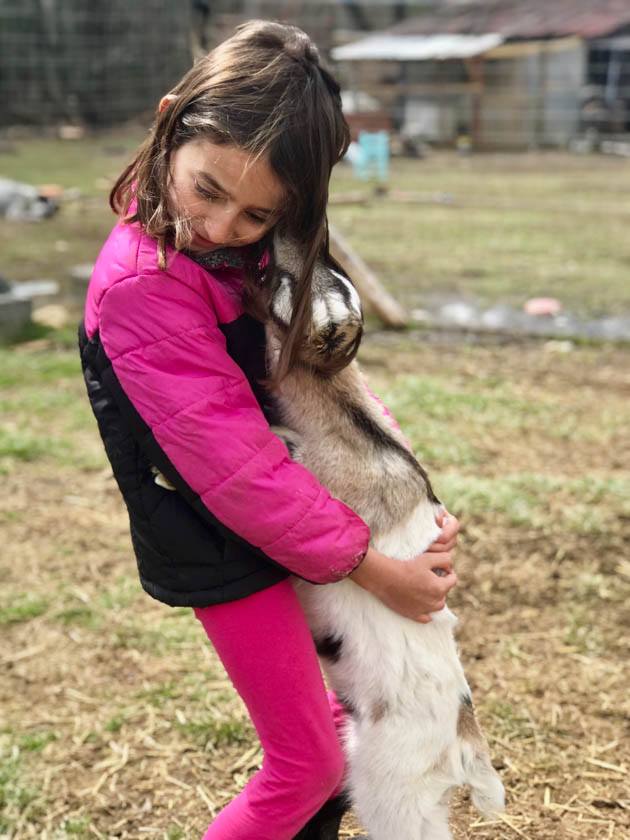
174 359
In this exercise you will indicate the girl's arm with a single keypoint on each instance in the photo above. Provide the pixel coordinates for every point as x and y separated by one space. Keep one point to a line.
190 403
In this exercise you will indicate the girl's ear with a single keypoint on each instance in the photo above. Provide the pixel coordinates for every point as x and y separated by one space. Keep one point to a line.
165 101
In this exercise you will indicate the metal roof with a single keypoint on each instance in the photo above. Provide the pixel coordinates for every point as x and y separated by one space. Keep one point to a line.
521 19
387 47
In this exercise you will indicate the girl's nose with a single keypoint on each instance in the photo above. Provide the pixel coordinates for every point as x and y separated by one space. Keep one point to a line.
220 227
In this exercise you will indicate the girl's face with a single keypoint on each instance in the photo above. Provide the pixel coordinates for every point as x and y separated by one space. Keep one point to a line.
230 198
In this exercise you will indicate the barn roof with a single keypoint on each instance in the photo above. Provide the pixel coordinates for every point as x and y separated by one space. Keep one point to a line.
521 19
387 47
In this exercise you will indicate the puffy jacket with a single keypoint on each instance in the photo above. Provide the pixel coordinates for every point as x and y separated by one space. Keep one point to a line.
172 366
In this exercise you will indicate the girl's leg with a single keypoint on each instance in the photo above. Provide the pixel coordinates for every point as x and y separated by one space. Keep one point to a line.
267 650
340 719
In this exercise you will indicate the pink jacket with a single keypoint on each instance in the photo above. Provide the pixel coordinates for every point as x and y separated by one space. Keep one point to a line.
164 334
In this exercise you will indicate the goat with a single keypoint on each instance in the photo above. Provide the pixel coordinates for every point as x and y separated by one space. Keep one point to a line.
412 733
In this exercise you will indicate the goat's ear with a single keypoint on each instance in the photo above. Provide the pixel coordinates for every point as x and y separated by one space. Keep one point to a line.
287 252
282 299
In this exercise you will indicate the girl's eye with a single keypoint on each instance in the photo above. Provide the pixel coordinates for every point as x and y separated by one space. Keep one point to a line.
209 196
259 220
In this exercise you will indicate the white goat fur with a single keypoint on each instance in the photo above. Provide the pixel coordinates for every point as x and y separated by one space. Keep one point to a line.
412 734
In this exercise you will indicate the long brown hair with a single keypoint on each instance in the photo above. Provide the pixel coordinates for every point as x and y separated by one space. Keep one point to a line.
265 91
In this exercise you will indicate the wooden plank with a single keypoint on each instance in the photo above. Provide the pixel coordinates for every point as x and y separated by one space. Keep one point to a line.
372 293
523 49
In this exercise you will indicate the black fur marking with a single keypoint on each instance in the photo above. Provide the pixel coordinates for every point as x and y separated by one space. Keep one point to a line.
334 362
290 446
348 706
329 648
331 338
344 291
372 430
466 700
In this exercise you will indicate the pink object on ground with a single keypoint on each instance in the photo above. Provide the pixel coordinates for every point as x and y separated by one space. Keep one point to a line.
267 650
542 306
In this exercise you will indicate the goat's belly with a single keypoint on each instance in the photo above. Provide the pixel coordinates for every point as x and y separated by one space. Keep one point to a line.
383 661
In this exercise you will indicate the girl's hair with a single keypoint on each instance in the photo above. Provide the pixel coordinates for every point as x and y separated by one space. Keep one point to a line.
265 91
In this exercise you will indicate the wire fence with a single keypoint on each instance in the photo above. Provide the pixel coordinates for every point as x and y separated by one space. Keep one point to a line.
97 63
108 61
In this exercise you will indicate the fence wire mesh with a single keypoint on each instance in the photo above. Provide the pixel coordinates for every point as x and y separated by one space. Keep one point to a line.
108 61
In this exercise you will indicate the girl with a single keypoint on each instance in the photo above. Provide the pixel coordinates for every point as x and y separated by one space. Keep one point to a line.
174 357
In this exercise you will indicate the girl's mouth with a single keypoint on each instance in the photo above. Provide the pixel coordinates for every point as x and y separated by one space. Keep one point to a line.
199 241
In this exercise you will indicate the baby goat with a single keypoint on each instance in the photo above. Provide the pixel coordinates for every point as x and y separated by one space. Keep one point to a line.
412 734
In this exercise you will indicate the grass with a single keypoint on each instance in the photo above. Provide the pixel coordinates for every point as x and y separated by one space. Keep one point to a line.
516 226
36 741
89 166
29 430
18 795
215 733
22 608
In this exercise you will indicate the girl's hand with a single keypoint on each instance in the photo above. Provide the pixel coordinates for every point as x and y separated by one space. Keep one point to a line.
414 588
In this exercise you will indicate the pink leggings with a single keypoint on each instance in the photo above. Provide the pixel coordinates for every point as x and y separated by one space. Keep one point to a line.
267 650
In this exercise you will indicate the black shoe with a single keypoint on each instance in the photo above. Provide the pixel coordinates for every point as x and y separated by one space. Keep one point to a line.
325 824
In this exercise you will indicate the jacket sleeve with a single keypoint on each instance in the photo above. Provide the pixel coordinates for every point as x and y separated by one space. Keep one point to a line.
169 357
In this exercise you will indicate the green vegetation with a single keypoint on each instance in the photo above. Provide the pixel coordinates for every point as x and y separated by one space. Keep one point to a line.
76 233
36 741
87 164
509 722
79 615
215 733
499 229
18 796
22 608
78 828
45 411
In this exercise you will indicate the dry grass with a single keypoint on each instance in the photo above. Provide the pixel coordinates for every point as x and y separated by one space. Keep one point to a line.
118 720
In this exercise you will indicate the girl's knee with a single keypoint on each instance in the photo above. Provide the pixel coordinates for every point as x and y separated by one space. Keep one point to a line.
328 771
314 779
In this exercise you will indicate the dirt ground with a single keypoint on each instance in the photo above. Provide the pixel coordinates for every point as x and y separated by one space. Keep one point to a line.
118 721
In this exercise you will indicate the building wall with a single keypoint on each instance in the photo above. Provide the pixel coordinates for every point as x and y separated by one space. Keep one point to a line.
566 74
533 100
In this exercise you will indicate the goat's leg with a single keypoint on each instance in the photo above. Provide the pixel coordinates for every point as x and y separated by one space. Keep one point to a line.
435 824
399 779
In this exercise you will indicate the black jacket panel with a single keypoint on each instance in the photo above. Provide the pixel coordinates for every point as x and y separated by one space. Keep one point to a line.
185 556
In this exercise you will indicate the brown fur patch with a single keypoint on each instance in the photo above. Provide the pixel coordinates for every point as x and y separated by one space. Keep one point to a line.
467 726
379 710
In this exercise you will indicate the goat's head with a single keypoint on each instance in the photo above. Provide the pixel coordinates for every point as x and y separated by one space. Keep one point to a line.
336 323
